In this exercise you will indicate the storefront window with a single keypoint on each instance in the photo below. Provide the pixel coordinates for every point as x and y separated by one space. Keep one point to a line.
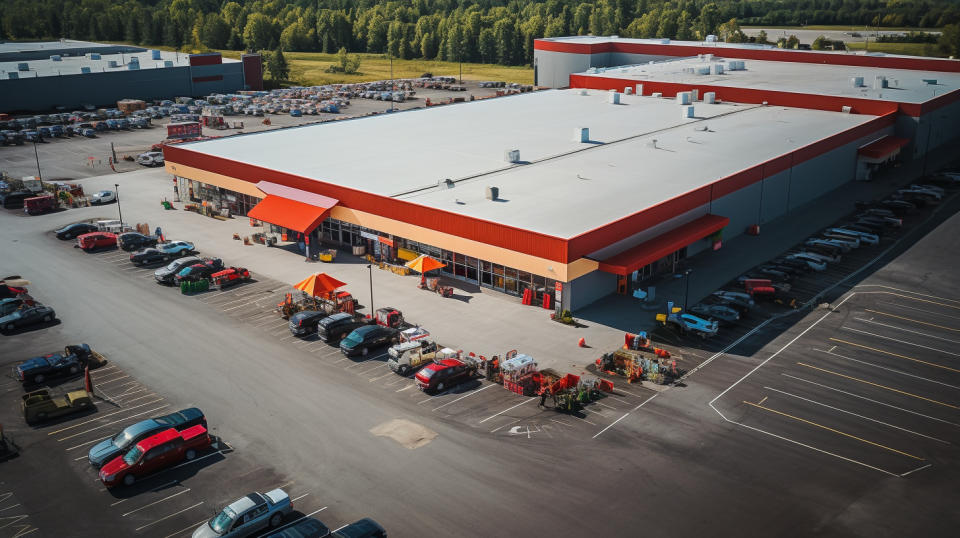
510 286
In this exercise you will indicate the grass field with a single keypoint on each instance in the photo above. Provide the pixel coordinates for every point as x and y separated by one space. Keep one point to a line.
910 49
845 28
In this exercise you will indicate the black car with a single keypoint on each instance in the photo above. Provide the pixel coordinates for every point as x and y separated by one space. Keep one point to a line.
336 327
365 528
131 241
147 255
167 274
14 200
303 528
68 362
199 271
305 323
71 231
30 315
361 340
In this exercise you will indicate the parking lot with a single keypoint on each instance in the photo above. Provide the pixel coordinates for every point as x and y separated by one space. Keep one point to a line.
871 381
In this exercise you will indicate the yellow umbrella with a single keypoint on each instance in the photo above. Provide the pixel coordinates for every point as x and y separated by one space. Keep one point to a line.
318 284
424 264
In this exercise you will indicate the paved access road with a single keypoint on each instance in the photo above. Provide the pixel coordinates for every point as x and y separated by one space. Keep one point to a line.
296 414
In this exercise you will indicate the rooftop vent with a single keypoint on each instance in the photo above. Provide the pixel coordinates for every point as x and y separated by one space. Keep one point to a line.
683 98
23 66
613 98
155 54
168 63
449 183
584 92
686 112
710 98
94 55
930 81
879 82
846 109
56 58
512 156
493 193
639 89
111 63
652 143
581 134
13 75
84 70
856 82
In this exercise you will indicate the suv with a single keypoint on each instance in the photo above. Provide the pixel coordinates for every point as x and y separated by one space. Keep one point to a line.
71 231
166 275
336 327
68 362
361 340
113 446
305 323
14 200
444 374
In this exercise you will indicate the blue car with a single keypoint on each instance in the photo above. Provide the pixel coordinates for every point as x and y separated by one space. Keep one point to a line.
114 446
28 315
174 249
70 361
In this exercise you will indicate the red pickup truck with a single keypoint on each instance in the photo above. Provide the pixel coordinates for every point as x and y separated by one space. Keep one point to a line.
154 453
95 240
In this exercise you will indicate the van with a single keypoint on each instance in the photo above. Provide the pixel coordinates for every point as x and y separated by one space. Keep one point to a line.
333 329
14 200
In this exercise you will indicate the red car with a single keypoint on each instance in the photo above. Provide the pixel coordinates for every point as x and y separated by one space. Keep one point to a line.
95 240
441 375
154 453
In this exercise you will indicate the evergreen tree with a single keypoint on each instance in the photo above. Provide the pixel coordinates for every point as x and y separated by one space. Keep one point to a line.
277 65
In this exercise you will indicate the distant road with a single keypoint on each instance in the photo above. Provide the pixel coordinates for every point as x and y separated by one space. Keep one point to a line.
807 36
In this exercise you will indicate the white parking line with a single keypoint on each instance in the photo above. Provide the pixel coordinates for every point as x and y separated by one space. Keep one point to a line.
87 443
112 423
154 502
99 417
625 415
919 310
410 386
296 520
856 415
377 367
605 405
905 330
505 410
111 381
300 497
465 396
870 400
354 365
168 517
241 305
185 529
894 370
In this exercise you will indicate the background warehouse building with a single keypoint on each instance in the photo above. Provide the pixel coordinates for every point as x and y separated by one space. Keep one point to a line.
41 76
579 187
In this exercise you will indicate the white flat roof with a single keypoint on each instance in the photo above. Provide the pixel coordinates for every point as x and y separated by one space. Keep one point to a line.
562 187
71 65
29 46
905 86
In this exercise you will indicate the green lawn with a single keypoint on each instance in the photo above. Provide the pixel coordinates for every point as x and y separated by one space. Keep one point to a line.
845 28
910 49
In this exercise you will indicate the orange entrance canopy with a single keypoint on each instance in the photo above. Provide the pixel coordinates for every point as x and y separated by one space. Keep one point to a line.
289 214
425 264
318 284
634 258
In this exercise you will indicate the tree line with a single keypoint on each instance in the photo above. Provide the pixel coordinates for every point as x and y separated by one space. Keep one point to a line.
490 31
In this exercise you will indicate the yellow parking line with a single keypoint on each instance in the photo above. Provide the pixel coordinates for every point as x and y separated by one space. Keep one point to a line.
880 386
895 355
913 320
829 429
924 300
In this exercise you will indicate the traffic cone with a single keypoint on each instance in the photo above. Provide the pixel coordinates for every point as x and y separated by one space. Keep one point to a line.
582 343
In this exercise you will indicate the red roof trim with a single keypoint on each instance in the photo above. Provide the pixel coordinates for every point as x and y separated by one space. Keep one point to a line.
883 147
650 251
774 55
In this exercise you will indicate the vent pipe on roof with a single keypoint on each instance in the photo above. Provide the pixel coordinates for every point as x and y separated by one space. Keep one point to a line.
694 95
12 75
930 81
584 92
23 66
652 143
613 98
856 82
512 156
656 94
879 82
581 134
493 193
94 55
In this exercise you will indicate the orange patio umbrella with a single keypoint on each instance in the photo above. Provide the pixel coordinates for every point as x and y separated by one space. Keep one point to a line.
424 264
318 284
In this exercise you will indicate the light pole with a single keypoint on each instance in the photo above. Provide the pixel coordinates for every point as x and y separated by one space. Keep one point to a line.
686 288
37 156
370 268
116 187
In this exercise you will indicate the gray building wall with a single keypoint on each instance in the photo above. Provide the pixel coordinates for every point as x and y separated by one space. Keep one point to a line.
775 194
553 69
590 287
71 91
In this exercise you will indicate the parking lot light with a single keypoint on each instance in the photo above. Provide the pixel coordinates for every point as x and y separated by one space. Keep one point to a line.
116 191
686 288
370 268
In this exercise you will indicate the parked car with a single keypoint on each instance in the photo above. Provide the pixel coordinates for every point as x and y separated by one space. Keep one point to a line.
365 528
96 240
815 263
684 322
150 158
9 305
71 231
131 241
722 313
148 255
360 341
334 328
42 203
177 248
248 515
199 271
154 453
305 323
40 405
307 527
14 200
103 197
166 275
29 315
116 445
443 374
862 236
68 362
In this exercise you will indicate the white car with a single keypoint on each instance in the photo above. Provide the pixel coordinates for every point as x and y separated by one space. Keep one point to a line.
864 237
150 158
103 197
851 242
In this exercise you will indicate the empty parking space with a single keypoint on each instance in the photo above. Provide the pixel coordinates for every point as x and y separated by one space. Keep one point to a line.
871 382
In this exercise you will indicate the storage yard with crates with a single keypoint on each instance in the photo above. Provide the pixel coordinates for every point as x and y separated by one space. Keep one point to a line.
721 280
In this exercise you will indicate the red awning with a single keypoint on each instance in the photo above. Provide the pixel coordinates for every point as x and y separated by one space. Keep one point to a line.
883 147
632 259
290 214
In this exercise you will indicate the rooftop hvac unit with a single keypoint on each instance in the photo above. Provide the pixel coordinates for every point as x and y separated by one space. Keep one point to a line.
711 39
94 55
512 156
613 98
708 57
23 66
581 134
931 81
493 193
111 63
168 63
694 95
657 95
716 69
703 70
84 70
687 112
133 66
710 98
879 82
856 82
665 41
639 89
628 90
683 98
13 75
56 58
155 54
846 109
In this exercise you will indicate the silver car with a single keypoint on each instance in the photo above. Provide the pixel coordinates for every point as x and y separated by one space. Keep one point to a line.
248 515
